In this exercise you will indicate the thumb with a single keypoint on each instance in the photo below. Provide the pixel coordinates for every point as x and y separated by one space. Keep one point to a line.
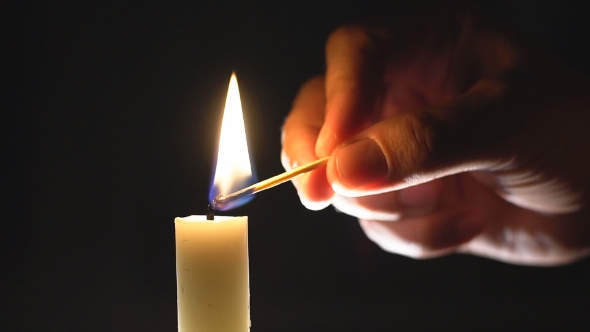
412 148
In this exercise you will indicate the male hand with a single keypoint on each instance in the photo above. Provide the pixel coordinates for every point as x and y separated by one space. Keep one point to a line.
447 134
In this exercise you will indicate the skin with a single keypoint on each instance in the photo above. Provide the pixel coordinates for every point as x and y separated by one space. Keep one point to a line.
447 134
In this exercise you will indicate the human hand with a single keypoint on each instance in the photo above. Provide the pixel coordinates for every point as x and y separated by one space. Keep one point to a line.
447 136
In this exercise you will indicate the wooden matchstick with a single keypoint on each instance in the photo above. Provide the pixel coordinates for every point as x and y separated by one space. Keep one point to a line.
221 200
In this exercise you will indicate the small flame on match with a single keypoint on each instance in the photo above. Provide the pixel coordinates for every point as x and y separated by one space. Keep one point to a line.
233 170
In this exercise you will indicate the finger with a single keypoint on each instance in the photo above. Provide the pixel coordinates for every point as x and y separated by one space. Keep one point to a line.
315 192
462 214
354 73
417 147
427 236
396 205
299 136
521 236
302 125
527 238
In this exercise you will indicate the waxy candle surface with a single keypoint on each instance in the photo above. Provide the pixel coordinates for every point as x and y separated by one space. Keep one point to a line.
212 274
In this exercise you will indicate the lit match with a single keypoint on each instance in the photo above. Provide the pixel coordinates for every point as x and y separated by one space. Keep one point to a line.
222 200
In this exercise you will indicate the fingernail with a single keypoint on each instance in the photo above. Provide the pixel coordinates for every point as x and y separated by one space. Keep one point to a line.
360 164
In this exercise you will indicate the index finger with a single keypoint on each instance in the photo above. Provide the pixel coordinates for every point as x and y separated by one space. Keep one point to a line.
300 133
355 66
301 127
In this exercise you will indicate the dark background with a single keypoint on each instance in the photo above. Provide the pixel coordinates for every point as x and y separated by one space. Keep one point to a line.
112 114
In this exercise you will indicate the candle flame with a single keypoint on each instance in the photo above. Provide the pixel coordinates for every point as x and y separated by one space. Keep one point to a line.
233 170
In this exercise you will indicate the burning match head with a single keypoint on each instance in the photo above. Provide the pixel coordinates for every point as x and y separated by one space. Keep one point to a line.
217 203
233 200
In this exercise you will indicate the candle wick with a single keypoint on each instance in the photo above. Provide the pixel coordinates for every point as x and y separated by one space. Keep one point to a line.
210 212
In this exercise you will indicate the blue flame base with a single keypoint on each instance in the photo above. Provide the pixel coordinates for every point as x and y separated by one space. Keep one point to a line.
238 185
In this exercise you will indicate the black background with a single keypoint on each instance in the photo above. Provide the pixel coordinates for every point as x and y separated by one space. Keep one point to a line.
112 113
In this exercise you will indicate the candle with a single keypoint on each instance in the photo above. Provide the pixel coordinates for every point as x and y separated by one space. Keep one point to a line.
212 255
212 274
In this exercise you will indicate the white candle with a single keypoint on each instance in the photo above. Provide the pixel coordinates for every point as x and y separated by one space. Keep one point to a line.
212 255
212 274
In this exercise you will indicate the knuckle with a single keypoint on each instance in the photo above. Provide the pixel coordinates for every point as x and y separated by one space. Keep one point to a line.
426 247
311 94
412 250
416 145
347 88
419 253
355 35
313 83
384 234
